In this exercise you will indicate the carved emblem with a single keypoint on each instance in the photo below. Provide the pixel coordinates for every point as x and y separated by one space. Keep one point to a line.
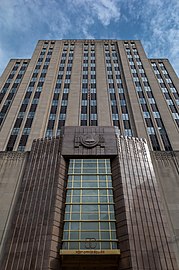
89 140
90 243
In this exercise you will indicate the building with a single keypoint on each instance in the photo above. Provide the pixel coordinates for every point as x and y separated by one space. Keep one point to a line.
89 158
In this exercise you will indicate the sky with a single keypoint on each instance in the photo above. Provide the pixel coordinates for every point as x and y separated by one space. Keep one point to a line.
154 22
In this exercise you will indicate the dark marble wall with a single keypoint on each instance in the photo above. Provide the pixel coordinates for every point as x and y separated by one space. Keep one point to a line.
166 166
145 226
35 231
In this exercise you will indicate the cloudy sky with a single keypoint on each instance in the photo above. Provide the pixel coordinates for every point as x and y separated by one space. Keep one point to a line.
154 22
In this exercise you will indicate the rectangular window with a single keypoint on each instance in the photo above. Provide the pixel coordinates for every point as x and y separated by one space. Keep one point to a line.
49 133
150 130
62 116
125 116
115 116
84 102
128 132
83 116
175 115
146 114
156 114
169 101
89 221
93 116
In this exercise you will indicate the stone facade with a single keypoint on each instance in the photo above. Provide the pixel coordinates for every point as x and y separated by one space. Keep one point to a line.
36 227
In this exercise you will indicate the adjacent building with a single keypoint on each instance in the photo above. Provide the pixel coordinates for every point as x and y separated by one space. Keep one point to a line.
89 154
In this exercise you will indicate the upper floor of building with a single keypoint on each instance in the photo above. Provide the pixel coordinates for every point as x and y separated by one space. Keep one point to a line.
89 83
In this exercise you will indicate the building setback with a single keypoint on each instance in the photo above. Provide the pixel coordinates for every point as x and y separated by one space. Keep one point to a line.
89 158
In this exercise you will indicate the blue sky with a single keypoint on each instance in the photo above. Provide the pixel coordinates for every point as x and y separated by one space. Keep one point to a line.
24 22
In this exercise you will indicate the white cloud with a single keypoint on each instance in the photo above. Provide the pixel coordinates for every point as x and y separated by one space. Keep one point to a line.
23 22
25 15
105 10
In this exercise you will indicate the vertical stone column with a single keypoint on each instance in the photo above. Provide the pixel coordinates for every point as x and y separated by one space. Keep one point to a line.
37 222
11 172
143 222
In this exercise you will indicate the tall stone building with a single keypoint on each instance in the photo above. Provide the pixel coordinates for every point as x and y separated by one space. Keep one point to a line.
89 175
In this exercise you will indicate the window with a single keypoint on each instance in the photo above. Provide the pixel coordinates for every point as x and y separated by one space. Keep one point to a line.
118 80
111 90
84 102
156 114
120 90
35 101
21 114
25 101
142 101
173 90
125 116
67 80
123 102
26 131
175 115
84 90
92 90
66 90
93 80
31 115
85 81
168 80
64 103
15 131
54 102
138 88
164 90
146 114
169 101
89 211
151 100
49 133
128 132
150 130
83 116
93 116
135 79
52 116
113 102
62 116
160 80
21 148
115 116
57 90
39 89
17 81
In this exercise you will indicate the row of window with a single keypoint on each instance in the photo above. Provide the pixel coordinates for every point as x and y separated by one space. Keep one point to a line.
111 89
169 91
88 114
28 99
13 90
53 117
140 78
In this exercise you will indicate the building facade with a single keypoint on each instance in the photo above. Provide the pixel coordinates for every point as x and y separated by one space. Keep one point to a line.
89 143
